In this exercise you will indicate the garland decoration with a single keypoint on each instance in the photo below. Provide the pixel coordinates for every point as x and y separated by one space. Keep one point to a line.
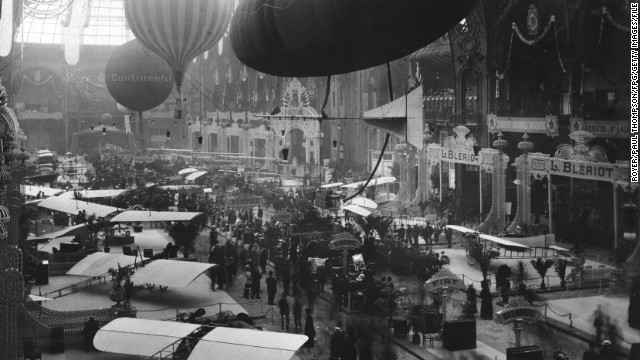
615 23
552 20
555 34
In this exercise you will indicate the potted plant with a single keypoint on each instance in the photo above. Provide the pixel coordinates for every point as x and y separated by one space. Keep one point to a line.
541 266
521 271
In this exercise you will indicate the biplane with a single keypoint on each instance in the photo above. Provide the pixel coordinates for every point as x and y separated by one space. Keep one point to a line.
514 248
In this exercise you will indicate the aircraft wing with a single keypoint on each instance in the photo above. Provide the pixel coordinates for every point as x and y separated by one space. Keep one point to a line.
502 242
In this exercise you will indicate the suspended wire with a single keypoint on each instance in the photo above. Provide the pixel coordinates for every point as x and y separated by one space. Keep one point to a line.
384 146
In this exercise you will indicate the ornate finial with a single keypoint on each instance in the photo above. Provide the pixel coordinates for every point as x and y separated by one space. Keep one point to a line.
500 143
525 145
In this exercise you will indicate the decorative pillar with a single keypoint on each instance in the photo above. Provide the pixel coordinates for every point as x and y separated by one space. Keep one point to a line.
549 204
615 216
517 329
523 211
495 162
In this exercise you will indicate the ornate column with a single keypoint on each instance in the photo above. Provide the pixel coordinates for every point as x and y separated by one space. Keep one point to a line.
523 211
495 162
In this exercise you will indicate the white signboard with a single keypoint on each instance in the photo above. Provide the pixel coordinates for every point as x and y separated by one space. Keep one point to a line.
577 169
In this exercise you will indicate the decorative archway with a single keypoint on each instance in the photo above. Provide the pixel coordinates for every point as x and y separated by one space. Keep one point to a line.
297 114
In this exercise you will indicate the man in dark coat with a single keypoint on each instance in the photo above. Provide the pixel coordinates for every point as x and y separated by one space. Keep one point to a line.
309 329
297 314
255 282
264 256
336 344
428 233
283 304
486 303
272 288
349 350
260 212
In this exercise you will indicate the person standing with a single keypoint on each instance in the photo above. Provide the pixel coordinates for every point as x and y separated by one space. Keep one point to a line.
264 257
598 322
272 288
591 353
260 213
255 282
349 350
486 303
336 343
297 314
286 276
283 304
309 329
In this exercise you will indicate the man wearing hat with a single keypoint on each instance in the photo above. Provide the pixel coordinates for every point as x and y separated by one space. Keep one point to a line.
336 343
606 352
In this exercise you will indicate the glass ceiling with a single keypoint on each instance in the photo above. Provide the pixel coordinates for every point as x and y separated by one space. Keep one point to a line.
43 22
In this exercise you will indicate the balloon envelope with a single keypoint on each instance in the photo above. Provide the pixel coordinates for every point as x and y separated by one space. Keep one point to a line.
137 78
178 30
323 37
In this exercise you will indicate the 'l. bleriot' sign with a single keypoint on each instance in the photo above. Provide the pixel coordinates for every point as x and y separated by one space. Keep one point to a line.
514 313
577 169
454 155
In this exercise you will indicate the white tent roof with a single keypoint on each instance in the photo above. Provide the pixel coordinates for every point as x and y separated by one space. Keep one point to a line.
48 247
172 273
232 343
93 194
33 190
373 182
187 171
140 337
57 234
142 216
363 201
71 206
99 263
357 210
195 175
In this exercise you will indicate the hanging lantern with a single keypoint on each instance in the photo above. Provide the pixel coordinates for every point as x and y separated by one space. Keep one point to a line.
200 141
285 153
168 135
92 127
104 130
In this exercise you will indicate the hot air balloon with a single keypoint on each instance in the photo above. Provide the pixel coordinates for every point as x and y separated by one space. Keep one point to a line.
178 30
306 38
137 78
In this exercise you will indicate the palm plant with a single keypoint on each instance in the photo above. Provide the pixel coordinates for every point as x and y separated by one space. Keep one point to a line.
560 267
521 271
483 256
541 266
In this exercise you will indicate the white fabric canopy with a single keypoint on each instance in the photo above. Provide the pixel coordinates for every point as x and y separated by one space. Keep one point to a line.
357 210
55 243
462 229
140 337
71 206
195 175
57 234
363 201
187 171
99 263
172 273
142 216
373 182
232 343
327 186
93 194
29 190
502 242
